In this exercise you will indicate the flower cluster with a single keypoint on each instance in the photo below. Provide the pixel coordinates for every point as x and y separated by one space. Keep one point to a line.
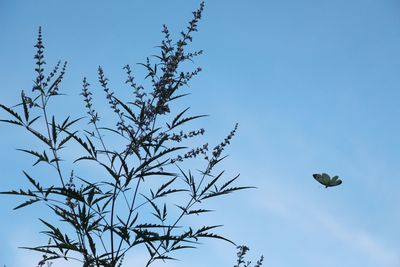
87 95
53 90
179 137
40 82
111 99
28 100
39 57
240 258
138 89
45 257
71 186
219 148
192 153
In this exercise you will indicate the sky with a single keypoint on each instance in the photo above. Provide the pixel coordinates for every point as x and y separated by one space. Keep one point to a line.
313 84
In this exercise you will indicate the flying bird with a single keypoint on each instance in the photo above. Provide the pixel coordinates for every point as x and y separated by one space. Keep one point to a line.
326 180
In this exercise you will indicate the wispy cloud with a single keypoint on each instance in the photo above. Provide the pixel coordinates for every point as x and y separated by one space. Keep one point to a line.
292 205
359 239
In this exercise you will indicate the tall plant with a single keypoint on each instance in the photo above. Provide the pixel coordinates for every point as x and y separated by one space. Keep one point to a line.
101 220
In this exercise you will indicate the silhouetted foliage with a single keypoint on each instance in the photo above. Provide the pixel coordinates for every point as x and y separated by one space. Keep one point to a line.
100 220
241 255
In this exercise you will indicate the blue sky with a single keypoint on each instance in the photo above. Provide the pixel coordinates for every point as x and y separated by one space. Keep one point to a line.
314 86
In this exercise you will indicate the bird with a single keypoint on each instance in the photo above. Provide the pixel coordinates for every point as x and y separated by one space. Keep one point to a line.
326 180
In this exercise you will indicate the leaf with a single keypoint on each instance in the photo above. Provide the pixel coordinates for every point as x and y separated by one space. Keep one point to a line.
12 112
203 232
33 181
19 193
170 191
225 191
111 171
91 244
198 211
164 186
33 120
111 130
158 173
65 140
164 257
188 119
40 157
123 164
151 159
82 143
176 122
64 126
155 207
212 235
27 203
181 247
92 147
42 249
55 83
25 106
12 122
54 130
151 225
91 195
178 117
210 184
85 158
178 96
40 136
127 109
229 182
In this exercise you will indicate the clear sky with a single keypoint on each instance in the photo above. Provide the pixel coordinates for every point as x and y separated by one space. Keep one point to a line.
313 84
